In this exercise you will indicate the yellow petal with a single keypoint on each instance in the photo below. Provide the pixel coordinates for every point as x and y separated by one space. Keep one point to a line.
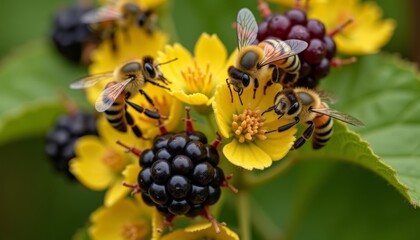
191 99
131 172
223 110
116 192
277 145
88 166
202 230
209 50
108 222
246 155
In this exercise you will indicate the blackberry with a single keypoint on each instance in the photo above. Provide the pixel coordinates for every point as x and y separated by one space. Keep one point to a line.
317 59
70 36
180 175
61 139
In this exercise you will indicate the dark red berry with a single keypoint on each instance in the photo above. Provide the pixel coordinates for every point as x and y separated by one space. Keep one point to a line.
322 69
296 16
214 195
212 155
263 30
315 52
278 26
330 46
305 69
316 28
299 32
219 177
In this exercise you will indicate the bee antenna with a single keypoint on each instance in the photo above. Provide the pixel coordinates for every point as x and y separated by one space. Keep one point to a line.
172 60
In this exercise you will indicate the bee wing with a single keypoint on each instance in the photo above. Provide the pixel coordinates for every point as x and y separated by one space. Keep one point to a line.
91 80
276 51
326 96
340 116
109 95
246 28
105 13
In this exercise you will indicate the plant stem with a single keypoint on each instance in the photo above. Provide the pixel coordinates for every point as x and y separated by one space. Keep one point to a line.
253 180
243 215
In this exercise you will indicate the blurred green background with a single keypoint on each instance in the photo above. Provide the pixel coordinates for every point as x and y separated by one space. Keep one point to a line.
316 200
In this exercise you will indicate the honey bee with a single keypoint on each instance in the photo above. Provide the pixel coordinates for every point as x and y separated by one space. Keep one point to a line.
106 20
268 58
305 105
129 79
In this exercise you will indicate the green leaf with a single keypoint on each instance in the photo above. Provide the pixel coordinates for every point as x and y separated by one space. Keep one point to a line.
383 92
31 79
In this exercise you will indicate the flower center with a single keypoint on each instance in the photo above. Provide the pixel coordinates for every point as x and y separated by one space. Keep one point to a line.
113 160
136 230
249 125
197 80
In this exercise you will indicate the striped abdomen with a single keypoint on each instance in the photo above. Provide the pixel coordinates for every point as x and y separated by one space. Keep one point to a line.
116 116
323 131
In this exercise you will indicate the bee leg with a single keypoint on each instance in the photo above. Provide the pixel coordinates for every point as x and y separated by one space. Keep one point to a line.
157 84
239 95
289 79
134 127
148 112
305 136
268 110
148 98
230 90
274 77
256 85
113 41
286 126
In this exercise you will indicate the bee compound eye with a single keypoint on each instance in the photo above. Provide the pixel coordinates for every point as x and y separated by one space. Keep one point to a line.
149 70
245 80
141 20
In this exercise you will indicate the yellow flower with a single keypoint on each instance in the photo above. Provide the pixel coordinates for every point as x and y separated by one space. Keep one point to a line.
99 161
127 219
139 45
250 147
144 4
366 34
194 78
202 231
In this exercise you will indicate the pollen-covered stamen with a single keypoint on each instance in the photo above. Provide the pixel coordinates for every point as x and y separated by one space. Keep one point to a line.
113 160
135 230
135 187
189 128
249 125
197 79
131 149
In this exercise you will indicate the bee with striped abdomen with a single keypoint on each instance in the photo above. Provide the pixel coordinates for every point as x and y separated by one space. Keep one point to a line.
269 58
129 80
107 19
305 105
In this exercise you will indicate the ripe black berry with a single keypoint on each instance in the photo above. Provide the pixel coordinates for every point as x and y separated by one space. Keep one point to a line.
161 171
180 174
61 139
70 35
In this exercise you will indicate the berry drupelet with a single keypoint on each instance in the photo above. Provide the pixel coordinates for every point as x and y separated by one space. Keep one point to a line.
72 38
180 174
317 59
61 139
